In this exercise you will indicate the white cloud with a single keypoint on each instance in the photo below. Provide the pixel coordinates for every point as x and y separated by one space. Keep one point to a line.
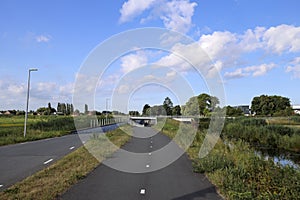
252 39
175 14
260 70
219 44
133 8
171 74
294 67
226 49
238 73
13 94
133 61
43 38
256 70
282 38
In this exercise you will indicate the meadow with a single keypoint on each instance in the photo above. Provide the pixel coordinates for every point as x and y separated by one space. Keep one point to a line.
38 127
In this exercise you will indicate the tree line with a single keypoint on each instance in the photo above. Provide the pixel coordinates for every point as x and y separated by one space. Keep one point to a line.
205 104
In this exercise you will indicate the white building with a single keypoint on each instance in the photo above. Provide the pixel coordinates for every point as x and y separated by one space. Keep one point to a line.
296 109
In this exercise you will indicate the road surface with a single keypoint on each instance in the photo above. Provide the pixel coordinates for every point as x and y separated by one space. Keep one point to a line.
21 160
176 181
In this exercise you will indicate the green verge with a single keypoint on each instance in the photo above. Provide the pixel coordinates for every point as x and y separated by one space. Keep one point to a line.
54 180
238 172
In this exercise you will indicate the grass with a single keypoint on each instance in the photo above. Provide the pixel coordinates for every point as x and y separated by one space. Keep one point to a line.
38 127
54 180
238 172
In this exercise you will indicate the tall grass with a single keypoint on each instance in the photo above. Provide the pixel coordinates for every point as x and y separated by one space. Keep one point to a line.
38 127
238 172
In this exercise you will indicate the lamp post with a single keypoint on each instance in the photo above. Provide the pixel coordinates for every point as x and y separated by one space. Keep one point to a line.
27 103
107 100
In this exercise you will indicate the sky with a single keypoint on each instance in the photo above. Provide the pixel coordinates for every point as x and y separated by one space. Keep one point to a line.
254 46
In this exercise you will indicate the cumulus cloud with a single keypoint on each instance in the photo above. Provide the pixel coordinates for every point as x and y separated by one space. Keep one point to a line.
13 94
282 38
175 14
226 49
133 8
133 61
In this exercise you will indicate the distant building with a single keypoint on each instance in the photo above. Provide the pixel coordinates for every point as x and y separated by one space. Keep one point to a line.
245 108
296 109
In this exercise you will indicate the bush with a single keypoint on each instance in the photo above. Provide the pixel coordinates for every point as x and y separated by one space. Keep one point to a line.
211 163
281 130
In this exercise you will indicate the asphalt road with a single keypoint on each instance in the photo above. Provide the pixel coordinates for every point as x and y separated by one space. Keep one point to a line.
176 181
19 161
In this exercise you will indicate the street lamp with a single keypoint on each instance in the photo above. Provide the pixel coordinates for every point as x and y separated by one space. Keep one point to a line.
28 87
107 100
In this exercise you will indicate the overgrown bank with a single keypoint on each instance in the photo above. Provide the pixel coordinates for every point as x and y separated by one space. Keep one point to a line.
238 172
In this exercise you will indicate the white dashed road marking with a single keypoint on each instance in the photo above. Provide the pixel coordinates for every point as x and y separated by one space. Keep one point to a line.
1 186
150 154
46 162
143 191
72 147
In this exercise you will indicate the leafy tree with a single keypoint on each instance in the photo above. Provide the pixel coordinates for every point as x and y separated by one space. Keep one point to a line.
202 104
157 110
207 103
134 113
168 105
145 111
42 110
192 107
271 105
63 108
86 109
233 112
176 111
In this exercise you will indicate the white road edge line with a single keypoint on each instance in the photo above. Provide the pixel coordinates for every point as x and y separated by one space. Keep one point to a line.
46 162
143 191
72 147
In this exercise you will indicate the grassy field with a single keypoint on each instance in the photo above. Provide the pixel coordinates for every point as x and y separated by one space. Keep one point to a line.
38 127
238 172
57 178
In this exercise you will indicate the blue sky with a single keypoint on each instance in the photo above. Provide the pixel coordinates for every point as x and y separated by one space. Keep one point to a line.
254 45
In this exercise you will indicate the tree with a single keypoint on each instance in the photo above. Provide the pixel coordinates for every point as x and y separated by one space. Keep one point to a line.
42 110
168 105
176 111
86 109
233 112
63 108
145 111
271 106
207 103
191 107
134 113
58 108
202 104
